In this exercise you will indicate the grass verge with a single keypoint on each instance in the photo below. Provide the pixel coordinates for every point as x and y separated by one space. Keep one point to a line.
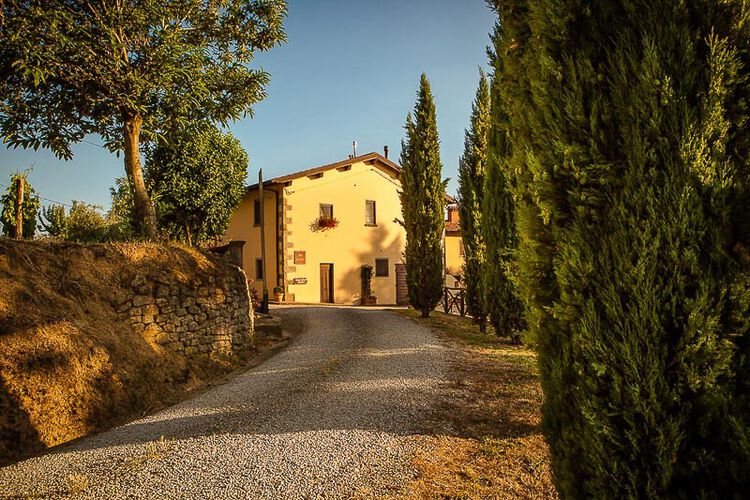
485 437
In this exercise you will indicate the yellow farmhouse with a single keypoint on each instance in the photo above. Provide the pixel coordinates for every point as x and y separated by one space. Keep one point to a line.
454 248
322 225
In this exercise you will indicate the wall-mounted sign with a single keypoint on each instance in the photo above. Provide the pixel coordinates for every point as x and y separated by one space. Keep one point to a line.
299 257
299 281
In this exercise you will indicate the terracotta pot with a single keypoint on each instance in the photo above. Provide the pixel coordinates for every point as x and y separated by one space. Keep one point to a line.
369 301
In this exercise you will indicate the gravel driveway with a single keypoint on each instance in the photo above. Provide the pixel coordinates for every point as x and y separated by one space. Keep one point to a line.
334 415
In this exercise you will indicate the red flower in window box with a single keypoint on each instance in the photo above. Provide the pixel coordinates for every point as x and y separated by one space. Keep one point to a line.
327 223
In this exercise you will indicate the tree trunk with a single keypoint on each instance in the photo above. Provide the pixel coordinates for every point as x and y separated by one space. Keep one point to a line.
187 234
144 208
425 313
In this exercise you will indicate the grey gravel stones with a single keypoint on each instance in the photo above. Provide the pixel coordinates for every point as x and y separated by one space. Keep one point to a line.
335 415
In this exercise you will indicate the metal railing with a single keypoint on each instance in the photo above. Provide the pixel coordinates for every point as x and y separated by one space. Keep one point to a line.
454 300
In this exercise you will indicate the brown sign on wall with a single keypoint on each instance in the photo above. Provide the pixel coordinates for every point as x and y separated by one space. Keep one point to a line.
299 257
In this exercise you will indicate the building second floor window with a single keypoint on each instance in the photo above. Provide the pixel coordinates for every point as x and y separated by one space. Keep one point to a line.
258 269
381 267
370 216
326 211
256 212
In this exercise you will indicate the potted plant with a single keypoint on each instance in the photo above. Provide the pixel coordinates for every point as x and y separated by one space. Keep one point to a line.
367 298
278 293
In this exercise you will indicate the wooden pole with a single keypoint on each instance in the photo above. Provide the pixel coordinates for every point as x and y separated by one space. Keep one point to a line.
264 303
19 207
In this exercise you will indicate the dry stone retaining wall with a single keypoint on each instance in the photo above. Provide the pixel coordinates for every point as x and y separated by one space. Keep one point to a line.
203 315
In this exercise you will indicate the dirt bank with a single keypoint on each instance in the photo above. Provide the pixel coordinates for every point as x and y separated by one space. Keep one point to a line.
69 364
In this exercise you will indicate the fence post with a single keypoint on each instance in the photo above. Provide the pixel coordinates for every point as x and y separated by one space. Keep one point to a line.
19 207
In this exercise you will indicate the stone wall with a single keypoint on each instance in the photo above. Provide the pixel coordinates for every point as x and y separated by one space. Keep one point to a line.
203 315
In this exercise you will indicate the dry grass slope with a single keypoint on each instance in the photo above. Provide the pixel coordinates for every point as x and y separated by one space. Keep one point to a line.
67 365
487 442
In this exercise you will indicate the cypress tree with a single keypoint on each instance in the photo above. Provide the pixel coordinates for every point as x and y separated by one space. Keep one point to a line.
471 169
423 203
501 300
628 136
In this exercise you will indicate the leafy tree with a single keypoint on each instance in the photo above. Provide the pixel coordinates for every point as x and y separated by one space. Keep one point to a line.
122 210
471 171
423 203
198 179
29 208
85 224
627 137
128 70
53 220
501 298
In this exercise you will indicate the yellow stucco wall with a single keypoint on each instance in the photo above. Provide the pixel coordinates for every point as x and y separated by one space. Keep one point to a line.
454 259
241 228
352 243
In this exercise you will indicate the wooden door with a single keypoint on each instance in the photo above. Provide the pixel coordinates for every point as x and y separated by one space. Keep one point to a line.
326 283
402 292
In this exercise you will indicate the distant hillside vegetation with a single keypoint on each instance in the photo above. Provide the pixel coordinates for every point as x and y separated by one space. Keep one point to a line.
69 365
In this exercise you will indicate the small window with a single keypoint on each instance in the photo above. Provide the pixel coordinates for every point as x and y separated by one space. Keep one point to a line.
256 212
326 211
370 217
381 267
258 269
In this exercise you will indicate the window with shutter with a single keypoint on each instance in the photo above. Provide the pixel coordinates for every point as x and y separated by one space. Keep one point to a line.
326 211
256 212
381 267
370 217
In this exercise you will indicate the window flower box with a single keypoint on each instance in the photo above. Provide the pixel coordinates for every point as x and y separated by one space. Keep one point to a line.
325 223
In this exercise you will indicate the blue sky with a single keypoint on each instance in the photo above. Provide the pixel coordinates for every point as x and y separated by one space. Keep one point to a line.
349 70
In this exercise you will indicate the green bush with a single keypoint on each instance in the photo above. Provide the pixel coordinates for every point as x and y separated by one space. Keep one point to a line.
628 139
85 224
53 220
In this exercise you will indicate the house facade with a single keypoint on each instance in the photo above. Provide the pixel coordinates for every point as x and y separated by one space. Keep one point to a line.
322 225
454 247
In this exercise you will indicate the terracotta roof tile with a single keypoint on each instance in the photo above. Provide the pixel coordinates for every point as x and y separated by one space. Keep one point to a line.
452 227
369 157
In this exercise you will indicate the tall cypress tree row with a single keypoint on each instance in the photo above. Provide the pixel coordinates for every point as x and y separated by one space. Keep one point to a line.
628 136
423 203
501 299
471 169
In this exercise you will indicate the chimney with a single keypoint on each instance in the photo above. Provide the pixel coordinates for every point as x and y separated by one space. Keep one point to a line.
385 150
354 147
453 214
